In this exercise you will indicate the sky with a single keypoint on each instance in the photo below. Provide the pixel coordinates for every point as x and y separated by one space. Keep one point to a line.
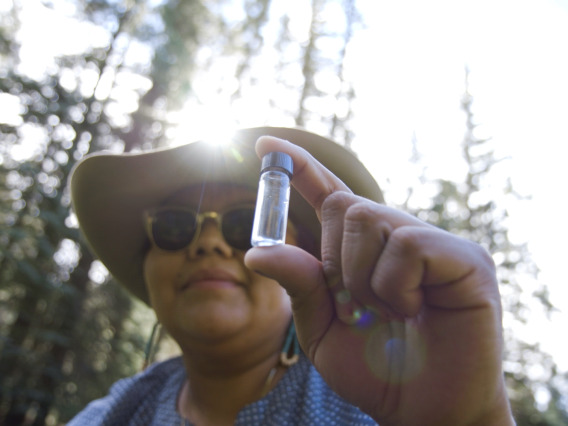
517 54
408 67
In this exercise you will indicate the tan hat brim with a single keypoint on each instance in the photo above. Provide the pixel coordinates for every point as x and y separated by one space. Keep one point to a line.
111 192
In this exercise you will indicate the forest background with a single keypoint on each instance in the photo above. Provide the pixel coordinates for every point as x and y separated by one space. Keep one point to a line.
457 107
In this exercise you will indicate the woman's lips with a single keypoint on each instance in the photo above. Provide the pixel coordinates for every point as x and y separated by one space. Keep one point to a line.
210 280
211 284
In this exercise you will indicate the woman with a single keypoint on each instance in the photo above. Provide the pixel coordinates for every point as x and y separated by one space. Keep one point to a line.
399 321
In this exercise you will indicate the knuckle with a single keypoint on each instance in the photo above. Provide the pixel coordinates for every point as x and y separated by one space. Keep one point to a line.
483 256
361 212
337 201
406 240
363 219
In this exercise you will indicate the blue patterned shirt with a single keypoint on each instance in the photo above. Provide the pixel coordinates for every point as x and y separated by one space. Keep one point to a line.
301 397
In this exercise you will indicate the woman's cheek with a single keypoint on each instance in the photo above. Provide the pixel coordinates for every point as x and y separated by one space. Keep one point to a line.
159 274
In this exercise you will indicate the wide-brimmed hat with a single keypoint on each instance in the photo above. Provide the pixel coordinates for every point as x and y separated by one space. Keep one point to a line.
111 192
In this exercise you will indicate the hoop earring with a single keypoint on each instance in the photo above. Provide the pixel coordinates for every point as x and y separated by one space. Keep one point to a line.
290 353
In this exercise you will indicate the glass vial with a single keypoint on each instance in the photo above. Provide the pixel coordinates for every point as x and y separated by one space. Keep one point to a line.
271 213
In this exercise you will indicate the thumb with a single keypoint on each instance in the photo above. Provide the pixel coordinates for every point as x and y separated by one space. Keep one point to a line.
302 277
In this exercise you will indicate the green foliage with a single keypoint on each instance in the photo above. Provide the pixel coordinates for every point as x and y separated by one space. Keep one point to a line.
60 328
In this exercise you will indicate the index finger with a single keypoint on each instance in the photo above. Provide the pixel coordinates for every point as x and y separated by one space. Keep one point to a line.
311 178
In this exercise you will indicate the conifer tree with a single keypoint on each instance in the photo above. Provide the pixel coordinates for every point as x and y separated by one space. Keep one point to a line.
474 210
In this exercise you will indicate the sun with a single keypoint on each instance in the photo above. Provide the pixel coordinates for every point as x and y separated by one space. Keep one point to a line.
213 123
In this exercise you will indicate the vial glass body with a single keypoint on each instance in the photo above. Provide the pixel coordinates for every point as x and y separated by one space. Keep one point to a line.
271 213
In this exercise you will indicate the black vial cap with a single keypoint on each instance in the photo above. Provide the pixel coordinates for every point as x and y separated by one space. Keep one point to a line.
278 161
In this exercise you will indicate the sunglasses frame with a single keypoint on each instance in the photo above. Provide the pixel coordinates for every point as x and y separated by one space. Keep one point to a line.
200 218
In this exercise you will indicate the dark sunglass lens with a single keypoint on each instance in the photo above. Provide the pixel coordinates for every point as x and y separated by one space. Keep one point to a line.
173 229
237 227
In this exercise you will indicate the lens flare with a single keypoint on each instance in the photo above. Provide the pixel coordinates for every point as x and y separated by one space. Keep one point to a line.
395 352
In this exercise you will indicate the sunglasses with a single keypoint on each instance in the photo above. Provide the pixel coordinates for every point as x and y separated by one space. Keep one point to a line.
174 228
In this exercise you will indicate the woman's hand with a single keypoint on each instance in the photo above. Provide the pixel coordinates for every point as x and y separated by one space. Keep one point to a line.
400 318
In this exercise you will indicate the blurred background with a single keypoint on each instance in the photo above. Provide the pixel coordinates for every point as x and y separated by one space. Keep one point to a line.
457 107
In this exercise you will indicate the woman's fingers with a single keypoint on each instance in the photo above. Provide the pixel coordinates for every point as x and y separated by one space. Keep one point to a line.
355 234
394 262
364 239
348 309
426 266
312 180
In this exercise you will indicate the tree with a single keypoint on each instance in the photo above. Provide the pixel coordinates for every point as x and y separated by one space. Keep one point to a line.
45 286
471 209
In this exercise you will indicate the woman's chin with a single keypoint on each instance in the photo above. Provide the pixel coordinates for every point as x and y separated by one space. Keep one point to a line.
212 321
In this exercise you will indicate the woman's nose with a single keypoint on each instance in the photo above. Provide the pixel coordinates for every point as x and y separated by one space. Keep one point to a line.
209 241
